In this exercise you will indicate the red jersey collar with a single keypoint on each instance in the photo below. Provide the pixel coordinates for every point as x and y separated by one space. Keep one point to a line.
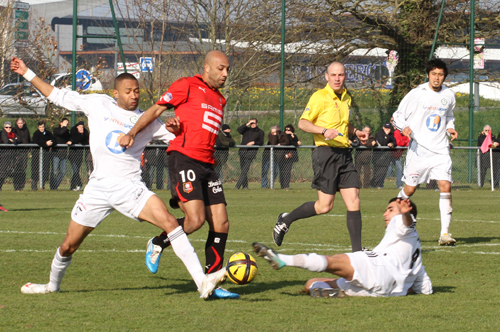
198 76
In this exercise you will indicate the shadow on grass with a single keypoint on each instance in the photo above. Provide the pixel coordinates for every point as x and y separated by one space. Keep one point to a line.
27 210
485 239
443 289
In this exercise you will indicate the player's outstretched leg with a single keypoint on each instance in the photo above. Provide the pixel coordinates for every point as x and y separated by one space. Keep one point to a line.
269 255
211 282
280 230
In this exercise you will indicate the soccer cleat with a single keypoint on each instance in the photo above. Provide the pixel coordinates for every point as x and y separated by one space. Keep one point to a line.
269 255
2 209
280 230
446 240
153 254
211 282
30 288
221 293
326 292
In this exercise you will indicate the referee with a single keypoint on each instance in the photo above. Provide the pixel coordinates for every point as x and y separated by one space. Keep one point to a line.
327 117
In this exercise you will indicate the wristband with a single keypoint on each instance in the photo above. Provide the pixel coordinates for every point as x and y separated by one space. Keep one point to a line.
324 131
29 75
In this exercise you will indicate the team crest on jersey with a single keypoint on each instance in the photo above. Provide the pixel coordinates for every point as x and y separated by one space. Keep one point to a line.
187 187
134 119
167 97
433 122
112 140
444 101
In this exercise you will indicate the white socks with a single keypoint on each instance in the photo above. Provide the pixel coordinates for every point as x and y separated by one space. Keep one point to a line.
311 262
402 194
57 270
446 211
185 251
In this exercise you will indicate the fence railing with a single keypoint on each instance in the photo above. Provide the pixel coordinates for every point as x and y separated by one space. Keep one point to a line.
27 166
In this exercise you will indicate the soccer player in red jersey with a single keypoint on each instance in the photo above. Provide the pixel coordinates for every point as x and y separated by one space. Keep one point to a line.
195 186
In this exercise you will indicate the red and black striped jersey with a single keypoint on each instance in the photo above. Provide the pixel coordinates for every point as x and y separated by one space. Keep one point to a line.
200 109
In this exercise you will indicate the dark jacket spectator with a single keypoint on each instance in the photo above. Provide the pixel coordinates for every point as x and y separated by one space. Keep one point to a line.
272 139
62 135
484 158
45 140
7 155
79 138
23 137
382 157
286 157
252 135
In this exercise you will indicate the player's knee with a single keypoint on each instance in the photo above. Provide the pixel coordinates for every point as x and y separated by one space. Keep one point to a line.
323 208
193 223
67 249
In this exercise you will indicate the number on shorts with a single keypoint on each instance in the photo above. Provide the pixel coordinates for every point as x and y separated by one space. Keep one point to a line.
190 175
414 257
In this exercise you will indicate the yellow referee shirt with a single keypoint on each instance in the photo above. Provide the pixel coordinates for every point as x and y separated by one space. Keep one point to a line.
326 110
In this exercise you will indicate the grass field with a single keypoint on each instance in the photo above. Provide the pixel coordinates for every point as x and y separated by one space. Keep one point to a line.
108 288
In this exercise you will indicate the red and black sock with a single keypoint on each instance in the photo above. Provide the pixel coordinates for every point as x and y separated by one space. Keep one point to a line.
214 251
162 239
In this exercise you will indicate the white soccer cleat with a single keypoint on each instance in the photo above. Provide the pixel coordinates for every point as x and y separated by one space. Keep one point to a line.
30 288
446 240
211 282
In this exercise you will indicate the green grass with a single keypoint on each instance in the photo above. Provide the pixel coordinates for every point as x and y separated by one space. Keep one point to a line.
108 288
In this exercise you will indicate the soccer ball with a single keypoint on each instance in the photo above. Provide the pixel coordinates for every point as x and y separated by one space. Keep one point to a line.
241 268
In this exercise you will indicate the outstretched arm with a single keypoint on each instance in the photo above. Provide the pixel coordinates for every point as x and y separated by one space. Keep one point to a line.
145 120
18 66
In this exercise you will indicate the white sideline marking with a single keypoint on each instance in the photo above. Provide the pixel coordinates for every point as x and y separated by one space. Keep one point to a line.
309 247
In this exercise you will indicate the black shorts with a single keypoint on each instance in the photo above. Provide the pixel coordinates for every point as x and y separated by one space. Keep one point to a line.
333 170
191 179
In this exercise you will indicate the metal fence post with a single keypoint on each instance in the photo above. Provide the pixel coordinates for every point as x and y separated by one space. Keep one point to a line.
40 169
271 159
478 164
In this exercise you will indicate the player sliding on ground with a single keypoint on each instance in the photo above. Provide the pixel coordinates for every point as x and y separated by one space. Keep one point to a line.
195 186
393 268
115 183
425 115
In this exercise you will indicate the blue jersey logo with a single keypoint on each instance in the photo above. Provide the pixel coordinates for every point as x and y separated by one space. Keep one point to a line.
112 142
433 122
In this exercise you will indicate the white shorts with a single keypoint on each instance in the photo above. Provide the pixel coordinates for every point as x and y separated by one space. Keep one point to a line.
421 166
101 197
371 277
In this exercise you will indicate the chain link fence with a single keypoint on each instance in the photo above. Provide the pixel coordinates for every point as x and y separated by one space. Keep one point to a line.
29 167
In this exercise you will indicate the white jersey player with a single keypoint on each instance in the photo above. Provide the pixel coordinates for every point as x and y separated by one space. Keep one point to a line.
425 115
115 183
393 268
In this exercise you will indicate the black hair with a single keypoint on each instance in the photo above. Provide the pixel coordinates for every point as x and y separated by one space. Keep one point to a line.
413 210
436 63
41 123
123 77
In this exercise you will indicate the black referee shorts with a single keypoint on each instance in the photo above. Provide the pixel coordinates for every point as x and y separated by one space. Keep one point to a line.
191 179
333 170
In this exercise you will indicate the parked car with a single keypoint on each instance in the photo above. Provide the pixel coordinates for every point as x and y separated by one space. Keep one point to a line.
21 98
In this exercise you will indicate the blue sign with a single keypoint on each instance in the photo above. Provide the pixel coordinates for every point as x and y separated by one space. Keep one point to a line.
83 80
146 64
